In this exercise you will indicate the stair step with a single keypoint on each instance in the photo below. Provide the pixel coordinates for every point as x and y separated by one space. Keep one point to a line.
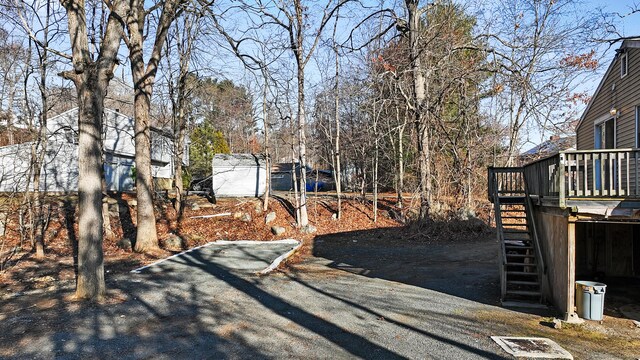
523 292
515 231
521 255
510 241
520 264
514 217
519 282
523 304
522 273
518 247
517 237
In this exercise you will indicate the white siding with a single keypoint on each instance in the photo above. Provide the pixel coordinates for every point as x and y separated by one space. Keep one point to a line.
238 181
163 172
14 167
59 170
60 167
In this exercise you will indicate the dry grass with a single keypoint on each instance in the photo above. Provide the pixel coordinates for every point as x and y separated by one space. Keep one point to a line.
618 337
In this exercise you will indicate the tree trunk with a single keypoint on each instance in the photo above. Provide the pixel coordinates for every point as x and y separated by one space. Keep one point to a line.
91 78
400 188
143 75
146 235
179 155
419 93
302 149
337 169
178 139
375 164
294 178
90 258
265 121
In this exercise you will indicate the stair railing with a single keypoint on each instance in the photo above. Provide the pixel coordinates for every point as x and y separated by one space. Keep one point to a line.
542 266
495 198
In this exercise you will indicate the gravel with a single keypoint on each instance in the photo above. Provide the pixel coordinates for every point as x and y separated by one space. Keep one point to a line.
209 303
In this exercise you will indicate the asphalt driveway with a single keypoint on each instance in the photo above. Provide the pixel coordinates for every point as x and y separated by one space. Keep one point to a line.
209 303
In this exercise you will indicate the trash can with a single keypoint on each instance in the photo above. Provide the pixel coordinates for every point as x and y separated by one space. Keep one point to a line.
590 299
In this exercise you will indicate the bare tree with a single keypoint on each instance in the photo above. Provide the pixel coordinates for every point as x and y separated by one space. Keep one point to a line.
183 38
292 18
92 70
144 74
535 45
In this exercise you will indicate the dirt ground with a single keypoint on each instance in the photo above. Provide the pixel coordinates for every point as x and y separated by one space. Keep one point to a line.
20 271
431 253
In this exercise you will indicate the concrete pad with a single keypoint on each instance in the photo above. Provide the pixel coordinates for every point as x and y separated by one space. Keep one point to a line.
530 347
260 257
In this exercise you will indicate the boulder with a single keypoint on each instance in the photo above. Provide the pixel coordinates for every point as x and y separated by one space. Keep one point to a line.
258 208
125 244
308 229
270 217
173 241
195 207
246 217
278 230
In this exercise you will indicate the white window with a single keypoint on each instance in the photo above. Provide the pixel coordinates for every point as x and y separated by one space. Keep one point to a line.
624 65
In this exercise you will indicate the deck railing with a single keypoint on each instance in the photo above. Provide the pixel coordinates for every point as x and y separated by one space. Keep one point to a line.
585 174
505 181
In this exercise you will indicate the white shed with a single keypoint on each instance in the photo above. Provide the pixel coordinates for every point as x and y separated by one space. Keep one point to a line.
238 175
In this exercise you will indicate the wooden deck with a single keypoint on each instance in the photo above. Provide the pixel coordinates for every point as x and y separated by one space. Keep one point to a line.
599 182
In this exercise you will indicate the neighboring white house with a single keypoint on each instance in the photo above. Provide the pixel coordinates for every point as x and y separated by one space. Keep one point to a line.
238 175
60 168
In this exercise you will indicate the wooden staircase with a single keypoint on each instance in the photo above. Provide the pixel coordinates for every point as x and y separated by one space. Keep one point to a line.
521 265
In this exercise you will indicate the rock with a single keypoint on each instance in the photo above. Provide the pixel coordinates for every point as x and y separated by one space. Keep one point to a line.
270 217
1 228
246 217
173 241
258 208
636 323
309 229
466 214
237 215
125 244
278 230
334 216
195 207
133 202
557 324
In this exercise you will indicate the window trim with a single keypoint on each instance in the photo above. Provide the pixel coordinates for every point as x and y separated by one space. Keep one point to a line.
600 121
624 59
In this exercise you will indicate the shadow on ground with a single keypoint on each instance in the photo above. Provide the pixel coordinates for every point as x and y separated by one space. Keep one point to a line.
209 303
466 269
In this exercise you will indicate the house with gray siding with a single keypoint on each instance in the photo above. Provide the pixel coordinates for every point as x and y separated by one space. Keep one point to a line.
60 167
575 215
